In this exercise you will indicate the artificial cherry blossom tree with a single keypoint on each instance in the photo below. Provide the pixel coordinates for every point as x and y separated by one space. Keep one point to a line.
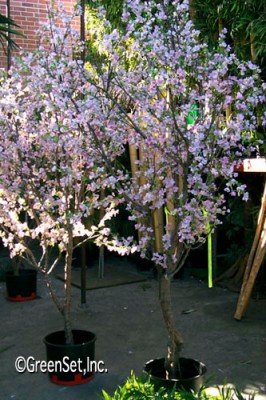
52 167
189 114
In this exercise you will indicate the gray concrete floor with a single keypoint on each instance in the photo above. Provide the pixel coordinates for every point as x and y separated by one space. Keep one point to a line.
128 324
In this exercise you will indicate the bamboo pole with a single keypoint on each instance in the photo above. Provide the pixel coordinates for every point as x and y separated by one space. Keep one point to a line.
170 219
220 25
142 179
170 204
192 11
158 216
252 44
228 113
133 155
158 222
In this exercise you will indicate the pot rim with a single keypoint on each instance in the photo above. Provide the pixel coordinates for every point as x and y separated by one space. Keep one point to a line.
49 343
177 380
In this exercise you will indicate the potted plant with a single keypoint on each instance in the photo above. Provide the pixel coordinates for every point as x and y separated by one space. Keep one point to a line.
21 282
51 173
188 112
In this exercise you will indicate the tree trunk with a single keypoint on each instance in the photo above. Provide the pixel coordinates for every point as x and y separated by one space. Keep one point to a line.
175 340
67 288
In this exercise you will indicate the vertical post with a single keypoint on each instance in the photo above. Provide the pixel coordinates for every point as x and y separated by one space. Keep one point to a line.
210 254
8 34
255 259
214 253
83 247
82 28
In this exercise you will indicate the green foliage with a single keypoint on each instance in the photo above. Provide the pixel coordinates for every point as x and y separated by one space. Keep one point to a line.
97 25
113 9
243 19
228 392
140 388
234 221
95 30
6 28
238 230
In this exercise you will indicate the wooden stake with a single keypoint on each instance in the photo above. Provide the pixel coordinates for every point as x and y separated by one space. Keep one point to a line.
254 262
247 290
256 238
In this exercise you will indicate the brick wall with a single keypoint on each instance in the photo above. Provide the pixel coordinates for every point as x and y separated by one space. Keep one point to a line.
28 14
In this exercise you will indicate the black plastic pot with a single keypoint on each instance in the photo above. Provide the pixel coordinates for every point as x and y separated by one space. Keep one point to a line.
21 287
190 379
73 362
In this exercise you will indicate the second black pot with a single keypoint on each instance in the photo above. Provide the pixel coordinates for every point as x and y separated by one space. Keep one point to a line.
191 378
77 356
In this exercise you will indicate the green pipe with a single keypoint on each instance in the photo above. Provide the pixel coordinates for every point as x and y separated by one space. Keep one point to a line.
210 283
209 243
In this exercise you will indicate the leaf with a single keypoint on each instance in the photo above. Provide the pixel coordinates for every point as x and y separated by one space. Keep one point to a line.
246 362
188 311
7 348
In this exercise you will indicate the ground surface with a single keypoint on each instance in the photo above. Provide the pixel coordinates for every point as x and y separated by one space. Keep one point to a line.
128 324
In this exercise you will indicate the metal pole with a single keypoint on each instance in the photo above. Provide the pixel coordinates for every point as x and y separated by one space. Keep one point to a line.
9 35
82 28
83 247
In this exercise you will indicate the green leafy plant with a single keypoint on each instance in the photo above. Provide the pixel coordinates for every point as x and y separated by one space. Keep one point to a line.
229 392
112 8
141 388
7 26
